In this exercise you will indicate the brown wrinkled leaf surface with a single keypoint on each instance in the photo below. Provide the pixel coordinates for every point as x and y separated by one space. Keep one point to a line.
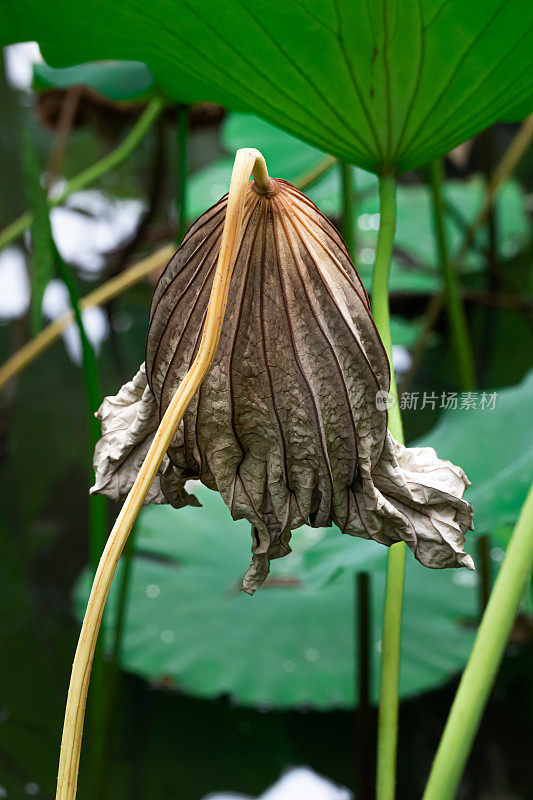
285 425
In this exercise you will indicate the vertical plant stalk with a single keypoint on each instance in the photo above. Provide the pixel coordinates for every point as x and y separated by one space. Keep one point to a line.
506 167
380 288
493 281
67 115
348 207
390 643
94 172
364 673
246 161
482 666
97 512
181 194
485 577
47 260
462 344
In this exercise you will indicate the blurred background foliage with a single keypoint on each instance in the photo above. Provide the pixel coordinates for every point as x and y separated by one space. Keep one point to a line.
216 691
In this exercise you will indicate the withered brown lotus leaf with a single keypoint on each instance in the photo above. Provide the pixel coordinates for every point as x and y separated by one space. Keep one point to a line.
285 425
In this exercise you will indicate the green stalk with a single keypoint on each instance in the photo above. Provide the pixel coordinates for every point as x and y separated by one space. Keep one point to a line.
380 287
480 672
98 504
15 229
348 208
390 646
94 172
181 194
459 329
99 700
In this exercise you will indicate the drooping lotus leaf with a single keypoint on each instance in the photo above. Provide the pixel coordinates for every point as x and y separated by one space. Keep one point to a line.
386 86
189 625
287 425
120 81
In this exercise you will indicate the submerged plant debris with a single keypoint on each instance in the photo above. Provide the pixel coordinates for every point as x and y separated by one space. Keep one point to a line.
285 425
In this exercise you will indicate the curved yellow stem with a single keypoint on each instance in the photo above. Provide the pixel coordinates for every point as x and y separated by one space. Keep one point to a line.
246 161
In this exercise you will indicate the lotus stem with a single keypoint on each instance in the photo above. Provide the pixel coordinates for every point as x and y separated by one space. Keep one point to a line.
505 168
380 288
260 174
348 221
181 194
93 395
482 667
97 509
312 176
459 328
91 174
246 161
390 647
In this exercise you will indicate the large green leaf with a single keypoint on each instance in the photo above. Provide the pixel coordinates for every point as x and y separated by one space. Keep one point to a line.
120 81
189 624
494 448
290 155
384 85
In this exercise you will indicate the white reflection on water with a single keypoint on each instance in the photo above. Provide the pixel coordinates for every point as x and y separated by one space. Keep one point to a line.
401 359
299 783
14 284
19 60
85 230
56 302
92 224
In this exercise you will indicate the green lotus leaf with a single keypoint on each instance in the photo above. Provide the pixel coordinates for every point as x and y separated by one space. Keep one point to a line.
292 644
500 471
386 86
119 81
